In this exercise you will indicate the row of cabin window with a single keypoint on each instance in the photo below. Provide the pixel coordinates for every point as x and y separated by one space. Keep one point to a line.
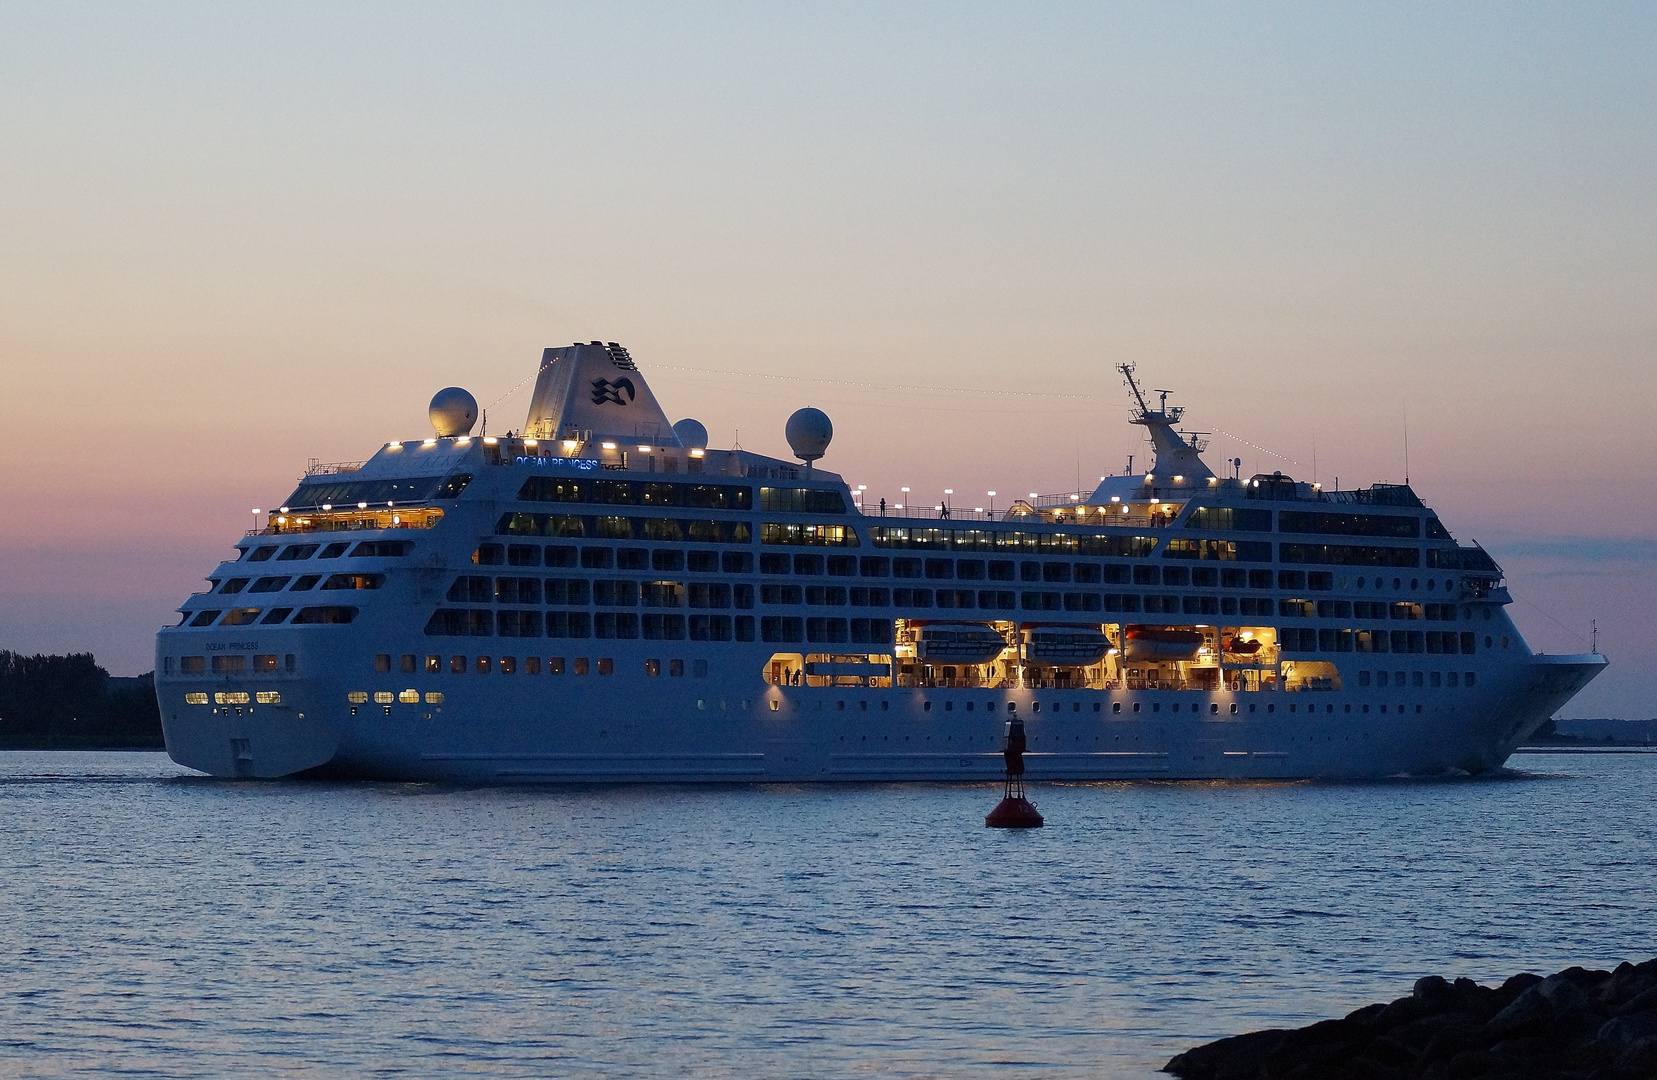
1446 642
508 665
270 617
603 592
662 530
303 583
576 489
608 558
1419 678
229 664
876 566
366 548
621 625
1366 609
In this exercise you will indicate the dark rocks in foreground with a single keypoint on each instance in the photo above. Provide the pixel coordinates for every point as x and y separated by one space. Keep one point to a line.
1577 1024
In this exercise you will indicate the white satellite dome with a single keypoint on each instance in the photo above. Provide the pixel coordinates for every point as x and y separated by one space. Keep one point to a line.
691 434
809 431
453 411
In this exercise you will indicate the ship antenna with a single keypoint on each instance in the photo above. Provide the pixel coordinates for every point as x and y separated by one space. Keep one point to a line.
1593 625
1406 446
1127 370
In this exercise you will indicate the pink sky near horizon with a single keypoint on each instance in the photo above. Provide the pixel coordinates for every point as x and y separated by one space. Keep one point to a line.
234 239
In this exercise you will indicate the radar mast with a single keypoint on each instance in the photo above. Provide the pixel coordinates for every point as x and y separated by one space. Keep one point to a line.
1175 456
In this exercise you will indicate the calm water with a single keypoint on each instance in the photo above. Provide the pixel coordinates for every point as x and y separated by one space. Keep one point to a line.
162 924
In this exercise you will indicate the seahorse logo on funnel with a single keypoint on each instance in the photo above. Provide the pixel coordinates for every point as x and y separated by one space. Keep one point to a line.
605 391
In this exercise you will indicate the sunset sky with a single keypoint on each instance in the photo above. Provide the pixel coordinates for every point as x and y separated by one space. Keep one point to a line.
237 237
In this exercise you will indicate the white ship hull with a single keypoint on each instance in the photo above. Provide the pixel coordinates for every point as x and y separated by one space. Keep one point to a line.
499 729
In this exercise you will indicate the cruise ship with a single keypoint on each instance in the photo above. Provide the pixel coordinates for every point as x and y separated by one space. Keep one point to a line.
602 597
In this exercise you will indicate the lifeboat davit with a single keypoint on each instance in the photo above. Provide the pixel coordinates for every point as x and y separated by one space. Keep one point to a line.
1152 643
1075 646
959 643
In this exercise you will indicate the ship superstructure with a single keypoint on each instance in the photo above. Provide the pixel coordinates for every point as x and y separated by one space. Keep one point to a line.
602 597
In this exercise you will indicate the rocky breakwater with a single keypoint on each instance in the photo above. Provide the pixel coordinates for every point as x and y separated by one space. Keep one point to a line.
1578 1024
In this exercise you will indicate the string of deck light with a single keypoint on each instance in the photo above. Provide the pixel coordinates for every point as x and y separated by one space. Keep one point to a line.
872 385
1252 446
895 386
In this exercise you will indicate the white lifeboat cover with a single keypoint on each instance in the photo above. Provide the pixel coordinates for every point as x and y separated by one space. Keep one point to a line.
595 391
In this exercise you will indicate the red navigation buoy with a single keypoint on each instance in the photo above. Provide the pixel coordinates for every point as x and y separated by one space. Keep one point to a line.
1014 811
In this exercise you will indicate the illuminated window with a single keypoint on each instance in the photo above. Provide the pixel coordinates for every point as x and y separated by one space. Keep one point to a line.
434 697
483 665
606 666
384 697
409 697
357 697
268 697
195 699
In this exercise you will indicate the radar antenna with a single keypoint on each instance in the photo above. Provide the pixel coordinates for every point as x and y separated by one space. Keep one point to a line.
1163 414
1127 372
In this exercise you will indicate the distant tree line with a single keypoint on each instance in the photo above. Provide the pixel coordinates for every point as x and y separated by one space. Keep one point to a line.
70 703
